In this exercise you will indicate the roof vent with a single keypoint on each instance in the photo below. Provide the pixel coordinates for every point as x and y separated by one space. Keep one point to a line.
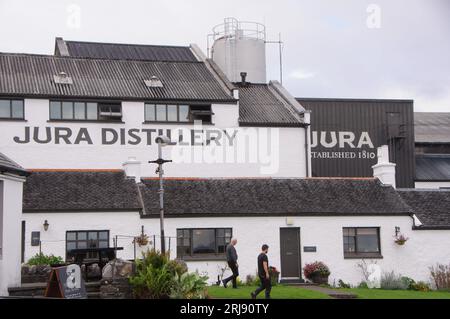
62 78
154 82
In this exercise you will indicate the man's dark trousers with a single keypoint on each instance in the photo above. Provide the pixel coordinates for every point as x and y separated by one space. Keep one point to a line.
265 284
233 277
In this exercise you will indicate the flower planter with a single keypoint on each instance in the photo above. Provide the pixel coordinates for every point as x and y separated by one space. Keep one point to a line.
319 279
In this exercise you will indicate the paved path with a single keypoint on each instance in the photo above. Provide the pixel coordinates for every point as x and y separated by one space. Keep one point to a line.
334 293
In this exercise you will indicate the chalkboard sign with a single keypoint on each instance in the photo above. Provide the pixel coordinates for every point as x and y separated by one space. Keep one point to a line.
35 238
66 282
309 249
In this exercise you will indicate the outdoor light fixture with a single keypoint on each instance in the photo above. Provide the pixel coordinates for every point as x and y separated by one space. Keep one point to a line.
397 231
46 224
161 141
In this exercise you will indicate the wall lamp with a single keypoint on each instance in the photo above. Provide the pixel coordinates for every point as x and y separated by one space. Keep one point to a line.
46 224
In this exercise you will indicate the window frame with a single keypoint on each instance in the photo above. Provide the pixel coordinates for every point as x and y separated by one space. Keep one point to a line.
178 121
359 254
86 113
98 231
203 256
11 118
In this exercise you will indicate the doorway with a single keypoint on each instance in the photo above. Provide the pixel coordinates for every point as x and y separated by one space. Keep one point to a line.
290 253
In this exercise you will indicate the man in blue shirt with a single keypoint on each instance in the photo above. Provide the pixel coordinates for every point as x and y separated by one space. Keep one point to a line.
232 263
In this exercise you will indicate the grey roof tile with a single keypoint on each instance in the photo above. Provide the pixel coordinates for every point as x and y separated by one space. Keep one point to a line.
432 207
432 127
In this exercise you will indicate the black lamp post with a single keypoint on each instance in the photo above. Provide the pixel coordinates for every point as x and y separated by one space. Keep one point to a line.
161 141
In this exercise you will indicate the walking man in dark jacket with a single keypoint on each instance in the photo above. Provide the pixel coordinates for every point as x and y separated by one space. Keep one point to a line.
263 273
232 263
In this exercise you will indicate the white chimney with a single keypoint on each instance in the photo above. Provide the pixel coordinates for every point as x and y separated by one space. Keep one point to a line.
383 169
132 168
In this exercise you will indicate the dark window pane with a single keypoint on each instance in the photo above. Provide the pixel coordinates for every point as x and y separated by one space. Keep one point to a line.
228 232
92 113
187 233
160 112
82 235
184 113
220 232
81 244
203 241
67 110
92 235
72 236
367 240
71 245
93 243
79 111
55 110
103 244
179 233
172 113
5 108
103 235
17 109
150 112
186 242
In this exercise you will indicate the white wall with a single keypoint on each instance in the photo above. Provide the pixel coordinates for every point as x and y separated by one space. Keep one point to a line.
424 248
282 155
434 185
12 216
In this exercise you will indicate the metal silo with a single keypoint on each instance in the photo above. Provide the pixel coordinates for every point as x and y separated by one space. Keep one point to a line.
239 46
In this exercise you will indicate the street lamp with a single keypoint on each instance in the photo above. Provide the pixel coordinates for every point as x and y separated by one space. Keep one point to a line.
161 141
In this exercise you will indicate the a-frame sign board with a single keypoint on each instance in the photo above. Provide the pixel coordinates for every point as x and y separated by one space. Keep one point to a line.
66 282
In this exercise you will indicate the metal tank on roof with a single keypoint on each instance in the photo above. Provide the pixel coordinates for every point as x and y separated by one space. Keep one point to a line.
239 46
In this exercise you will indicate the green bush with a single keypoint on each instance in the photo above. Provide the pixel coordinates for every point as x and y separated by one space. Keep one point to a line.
151 282
420 286
408 282
41 260
363 285
392 281
189 286
177 267
342 284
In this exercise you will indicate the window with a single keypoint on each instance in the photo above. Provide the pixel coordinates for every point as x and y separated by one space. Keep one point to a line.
85 111
11 109
177 113
203 242
87 239
362 242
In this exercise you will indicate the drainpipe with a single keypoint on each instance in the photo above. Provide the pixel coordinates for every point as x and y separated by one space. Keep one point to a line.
307 120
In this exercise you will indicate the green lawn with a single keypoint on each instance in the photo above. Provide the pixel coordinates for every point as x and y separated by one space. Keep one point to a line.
278 292
289 292
397 294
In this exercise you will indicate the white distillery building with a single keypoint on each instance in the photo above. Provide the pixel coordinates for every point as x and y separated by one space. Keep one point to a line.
83 123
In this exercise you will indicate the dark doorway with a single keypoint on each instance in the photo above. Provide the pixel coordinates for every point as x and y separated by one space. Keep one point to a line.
22 254
290 253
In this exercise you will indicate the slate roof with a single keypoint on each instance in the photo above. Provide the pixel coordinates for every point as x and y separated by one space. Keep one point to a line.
120 51
433 167
79 191
32 75
262 105
7 165
432 207
432 127
273 197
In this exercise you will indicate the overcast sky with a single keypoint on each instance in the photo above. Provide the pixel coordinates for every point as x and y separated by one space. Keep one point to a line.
347 48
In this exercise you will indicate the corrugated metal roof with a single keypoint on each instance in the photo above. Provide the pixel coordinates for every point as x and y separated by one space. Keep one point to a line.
432 127
8 165
32 75
433 167
260 104
118 51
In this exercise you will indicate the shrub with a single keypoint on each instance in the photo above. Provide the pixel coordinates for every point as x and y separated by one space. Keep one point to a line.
342 284
363 285
441 276
316 268
189 286
41 260
177 267
151 282
392 281
420 286
252 280
274 275
408 282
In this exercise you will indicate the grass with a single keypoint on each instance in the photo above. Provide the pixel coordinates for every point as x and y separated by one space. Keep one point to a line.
365 293
278 292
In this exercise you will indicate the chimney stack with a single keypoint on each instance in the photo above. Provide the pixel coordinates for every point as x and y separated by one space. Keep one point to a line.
243 76
383 169
132 168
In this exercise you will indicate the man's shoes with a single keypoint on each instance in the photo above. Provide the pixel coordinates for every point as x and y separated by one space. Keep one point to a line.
224 283
253 295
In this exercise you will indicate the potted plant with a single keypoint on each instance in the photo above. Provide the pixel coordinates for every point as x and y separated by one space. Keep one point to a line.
400 239
317 272
141 240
